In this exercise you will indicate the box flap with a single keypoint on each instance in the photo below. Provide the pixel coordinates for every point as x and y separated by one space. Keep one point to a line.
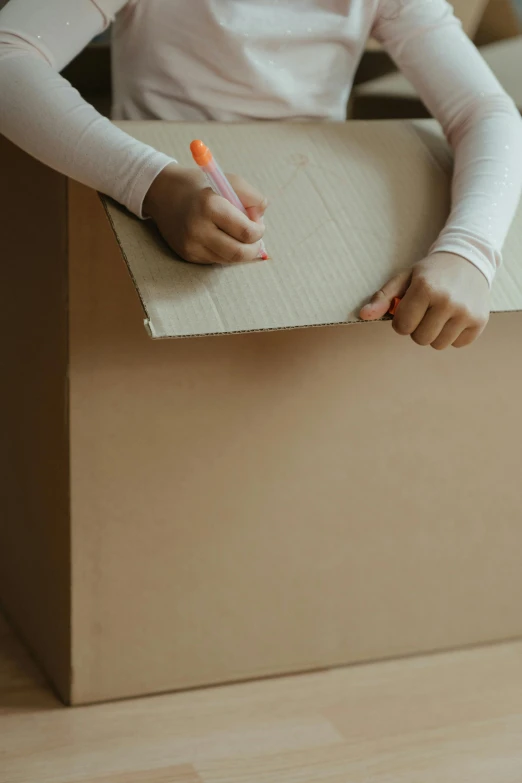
350 204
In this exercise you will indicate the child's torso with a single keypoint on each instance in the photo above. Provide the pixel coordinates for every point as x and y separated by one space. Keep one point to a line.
237 59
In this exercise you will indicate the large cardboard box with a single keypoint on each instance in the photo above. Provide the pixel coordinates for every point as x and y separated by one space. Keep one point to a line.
184 512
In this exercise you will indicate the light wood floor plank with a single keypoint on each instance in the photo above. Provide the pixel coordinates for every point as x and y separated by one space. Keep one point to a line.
489 752
184 774
449 718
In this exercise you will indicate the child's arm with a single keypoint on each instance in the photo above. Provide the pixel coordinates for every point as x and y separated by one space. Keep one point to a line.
485 130
42 113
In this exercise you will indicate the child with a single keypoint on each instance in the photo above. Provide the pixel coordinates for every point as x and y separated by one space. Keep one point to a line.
268 60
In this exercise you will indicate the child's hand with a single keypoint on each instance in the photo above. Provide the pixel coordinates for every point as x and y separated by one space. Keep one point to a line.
201 226
444 301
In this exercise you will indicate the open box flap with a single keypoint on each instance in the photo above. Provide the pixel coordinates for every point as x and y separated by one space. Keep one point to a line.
350 205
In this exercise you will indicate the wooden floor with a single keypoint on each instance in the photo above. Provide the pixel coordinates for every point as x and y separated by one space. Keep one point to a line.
448 718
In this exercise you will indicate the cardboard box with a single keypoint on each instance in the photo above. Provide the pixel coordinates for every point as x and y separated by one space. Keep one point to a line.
470 13
393 96
500 20
185 512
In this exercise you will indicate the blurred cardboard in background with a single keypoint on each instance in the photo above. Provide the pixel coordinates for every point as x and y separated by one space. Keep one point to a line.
393 96
500 20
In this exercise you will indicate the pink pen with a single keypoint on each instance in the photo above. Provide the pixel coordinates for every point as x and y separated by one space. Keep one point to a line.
218 181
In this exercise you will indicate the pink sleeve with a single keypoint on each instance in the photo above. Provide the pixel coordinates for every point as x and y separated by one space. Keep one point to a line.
44 115
481 123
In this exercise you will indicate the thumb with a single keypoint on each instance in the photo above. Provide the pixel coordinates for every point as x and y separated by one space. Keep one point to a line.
381 302
253 201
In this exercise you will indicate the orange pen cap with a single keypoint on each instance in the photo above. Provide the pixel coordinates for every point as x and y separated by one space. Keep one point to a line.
394 305
201 153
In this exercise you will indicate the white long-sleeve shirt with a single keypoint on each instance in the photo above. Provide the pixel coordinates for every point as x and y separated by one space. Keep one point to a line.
235 60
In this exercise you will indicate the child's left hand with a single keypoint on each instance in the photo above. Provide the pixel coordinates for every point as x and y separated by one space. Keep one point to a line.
444 301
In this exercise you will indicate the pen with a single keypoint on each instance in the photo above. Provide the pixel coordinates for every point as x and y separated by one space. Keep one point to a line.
394 305
218 181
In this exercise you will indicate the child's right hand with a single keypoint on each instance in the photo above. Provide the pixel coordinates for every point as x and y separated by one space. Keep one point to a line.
201 226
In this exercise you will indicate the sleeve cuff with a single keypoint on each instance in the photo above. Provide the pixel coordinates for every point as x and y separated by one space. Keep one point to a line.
152 166
483 256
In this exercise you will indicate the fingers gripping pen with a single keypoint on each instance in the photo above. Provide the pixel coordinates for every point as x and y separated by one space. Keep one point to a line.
218 181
